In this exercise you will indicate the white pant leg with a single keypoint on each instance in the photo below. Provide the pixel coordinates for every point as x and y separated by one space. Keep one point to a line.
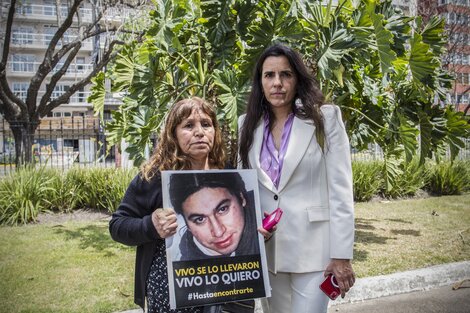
296 293
281 294
307 296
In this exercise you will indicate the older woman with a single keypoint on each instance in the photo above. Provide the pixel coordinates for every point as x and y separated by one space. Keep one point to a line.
191 140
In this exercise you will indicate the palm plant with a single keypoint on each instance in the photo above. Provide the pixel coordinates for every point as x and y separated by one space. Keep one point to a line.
381 67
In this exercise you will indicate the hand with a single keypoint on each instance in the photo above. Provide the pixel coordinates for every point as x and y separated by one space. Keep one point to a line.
267 234
165 222
344 273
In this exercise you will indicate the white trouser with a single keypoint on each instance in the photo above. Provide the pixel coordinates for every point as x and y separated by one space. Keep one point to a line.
296 293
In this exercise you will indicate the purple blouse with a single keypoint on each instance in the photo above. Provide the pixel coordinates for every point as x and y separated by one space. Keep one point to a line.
270 158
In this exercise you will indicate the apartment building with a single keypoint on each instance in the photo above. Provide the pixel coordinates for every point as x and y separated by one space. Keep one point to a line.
456 14
34 25
72 125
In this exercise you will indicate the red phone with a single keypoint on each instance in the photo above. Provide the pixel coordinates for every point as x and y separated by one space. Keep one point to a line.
272 219
330 287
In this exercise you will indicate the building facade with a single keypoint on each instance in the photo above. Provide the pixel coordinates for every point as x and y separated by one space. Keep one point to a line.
70 128
456 14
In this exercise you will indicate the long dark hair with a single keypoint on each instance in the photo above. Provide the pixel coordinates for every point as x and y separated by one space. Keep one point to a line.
307 91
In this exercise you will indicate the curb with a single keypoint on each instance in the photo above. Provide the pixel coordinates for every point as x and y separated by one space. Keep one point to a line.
393 284
405 282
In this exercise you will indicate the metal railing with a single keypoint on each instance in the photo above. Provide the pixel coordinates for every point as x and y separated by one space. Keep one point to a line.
78 97
49 11
375 153
60 143
43 40
32 67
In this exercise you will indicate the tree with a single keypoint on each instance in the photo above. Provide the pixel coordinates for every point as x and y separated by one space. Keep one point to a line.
24 115
381 67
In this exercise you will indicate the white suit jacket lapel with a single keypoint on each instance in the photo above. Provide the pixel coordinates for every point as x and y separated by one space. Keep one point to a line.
300 138
254 157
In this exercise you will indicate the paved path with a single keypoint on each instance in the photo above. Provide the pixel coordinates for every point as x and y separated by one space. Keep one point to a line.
439 300
425 290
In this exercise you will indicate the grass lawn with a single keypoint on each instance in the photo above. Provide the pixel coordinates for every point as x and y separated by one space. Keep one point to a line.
77 267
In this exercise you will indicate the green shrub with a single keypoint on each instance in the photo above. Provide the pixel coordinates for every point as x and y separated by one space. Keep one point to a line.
29 191
100 188
367 179
412 178
65 195
448 178
24 194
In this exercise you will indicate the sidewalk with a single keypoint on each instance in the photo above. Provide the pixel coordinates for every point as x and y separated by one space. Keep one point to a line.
395 284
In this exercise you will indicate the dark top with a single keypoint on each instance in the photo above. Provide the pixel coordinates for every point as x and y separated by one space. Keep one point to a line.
132 225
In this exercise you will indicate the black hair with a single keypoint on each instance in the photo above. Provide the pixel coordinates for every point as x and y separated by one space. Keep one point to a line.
183 185
307 91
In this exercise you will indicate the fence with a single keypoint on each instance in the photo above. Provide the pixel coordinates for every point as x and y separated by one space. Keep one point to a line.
81 141
61 143
374 152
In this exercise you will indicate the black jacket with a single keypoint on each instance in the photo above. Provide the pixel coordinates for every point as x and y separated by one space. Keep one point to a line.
132 225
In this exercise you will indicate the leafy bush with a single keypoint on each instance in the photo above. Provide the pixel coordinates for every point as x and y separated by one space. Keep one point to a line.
104 188
29 191
65 195
24 194
367 179
448 178
412 178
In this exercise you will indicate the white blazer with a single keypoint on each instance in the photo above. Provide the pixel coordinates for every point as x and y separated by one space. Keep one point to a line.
315 193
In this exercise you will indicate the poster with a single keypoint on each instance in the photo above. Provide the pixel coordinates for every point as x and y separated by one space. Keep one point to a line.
217 254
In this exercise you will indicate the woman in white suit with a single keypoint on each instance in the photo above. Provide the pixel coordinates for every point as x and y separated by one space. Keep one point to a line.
301 152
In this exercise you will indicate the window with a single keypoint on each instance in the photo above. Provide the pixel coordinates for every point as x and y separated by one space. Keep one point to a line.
59 90
24 8
20 90
465 78
22 35
465 59
81 96
50 8
465 99
80 63
442 2
23 63
452 17
48 33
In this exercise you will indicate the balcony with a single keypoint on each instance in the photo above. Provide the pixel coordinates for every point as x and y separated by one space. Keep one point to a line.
48 13
41 41
78 98
25 69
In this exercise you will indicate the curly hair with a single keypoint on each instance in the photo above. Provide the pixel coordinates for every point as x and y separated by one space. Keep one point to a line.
307 91
168 154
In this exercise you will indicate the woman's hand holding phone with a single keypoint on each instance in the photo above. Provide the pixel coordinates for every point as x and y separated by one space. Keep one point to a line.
269 223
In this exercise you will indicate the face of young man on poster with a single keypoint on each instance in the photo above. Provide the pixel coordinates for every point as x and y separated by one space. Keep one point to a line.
215 217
